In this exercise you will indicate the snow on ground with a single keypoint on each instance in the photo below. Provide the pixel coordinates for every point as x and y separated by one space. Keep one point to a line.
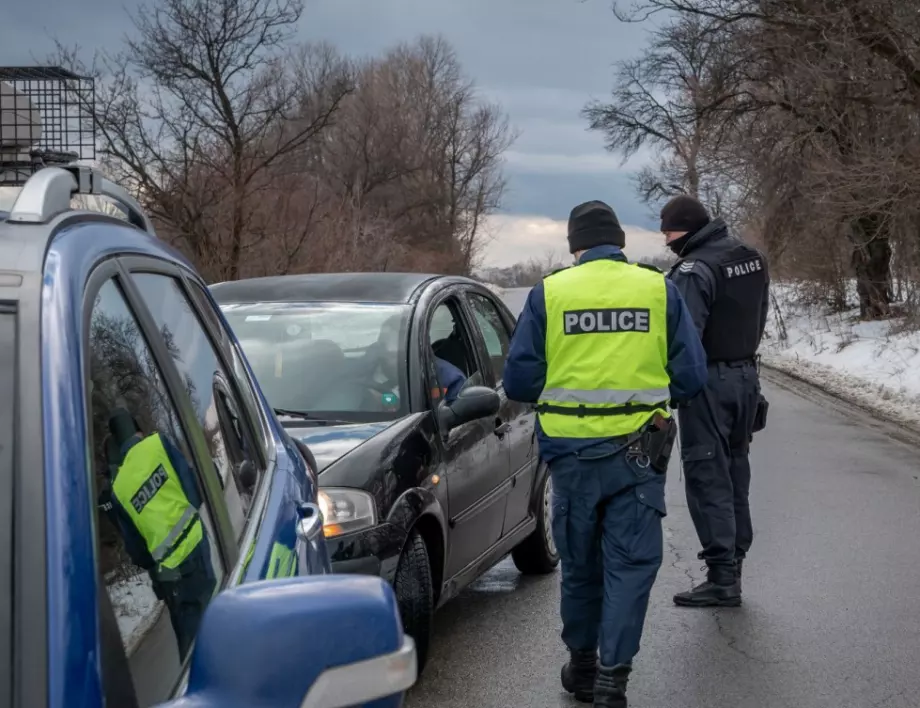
136 608
875 365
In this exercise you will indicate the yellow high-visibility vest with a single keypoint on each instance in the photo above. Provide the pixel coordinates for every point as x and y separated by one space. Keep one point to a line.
149 490
606 350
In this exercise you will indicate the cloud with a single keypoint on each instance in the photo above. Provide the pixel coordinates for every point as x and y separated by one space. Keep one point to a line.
516 239
564 164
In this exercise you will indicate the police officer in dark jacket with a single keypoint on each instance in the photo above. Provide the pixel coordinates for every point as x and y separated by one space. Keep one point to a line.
602 348
725 285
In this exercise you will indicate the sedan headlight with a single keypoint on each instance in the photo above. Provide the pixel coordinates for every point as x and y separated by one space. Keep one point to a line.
346 510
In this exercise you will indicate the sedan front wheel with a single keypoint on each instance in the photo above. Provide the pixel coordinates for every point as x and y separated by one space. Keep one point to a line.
415 595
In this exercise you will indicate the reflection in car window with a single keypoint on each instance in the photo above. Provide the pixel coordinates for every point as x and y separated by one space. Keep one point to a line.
157 546
493 332
210 390
339 361
244 386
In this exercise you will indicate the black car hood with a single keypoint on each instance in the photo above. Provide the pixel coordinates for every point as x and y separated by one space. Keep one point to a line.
328 444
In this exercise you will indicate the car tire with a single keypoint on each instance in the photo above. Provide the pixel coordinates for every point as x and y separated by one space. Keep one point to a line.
415 594
537 554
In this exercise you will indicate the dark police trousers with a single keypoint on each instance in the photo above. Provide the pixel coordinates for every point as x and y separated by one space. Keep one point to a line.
188 591
607 513
715 434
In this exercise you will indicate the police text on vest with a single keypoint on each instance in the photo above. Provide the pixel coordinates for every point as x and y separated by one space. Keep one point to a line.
745 267
606 320
149 488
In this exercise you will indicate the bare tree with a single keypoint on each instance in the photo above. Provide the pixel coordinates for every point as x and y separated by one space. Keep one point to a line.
670 100
819 140
202 103
414 147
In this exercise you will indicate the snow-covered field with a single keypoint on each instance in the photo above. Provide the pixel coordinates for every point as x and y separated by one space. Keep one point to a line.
873 364
136 608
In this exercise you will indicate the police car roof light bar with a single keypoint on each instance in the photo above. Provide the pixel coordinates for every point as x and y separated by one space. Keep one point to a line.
49 191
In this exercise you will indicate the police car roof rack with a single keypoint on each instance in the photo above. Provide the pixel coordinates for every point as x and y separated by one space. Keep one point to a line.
49 191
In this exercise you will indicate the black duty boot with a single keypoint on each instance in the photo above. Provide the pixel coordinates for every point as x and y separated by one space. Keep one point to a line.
610 687
721 589
579 674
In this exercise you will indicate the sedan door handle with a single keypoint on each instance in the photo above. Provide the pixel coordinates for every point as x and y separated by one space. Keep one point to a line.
502 428
310 524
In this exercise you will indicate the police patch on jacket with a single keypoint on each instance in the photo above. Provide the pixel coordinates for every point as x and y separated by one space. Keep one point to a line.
746 266
153 484
686 266
620 319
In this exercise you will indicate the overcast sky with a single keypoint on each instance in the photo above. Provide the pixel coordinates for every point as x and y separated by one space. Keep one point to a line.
541 59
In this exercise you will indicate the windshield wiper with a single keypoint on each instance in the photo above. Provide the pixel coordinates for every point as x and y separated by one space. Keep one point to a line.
304 415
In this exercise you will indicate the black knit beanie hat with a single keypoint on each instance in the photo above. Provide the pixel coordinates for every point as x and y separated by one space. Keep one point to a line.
122 425
594 224
684 213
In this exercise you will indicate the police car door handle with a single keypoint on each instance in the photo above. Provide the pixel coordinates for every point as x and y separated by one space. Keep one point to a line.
501 428
310 524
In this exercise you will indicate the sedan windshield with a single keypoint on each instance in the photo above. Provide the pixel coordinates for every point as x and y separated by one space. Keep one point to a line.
326 361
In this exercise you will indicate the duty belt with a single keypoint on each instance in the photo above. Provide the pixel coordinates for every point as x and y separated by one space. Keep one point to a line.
583 411
733 362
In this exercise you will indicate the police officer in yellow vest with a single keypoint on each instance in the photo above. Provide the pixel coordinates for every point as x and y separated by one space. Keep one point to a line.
156 500
603 348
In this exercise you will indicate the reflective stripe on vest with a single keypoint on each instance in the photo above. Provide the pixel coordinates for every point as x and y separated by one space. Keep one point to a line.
606 350
571 395
148 489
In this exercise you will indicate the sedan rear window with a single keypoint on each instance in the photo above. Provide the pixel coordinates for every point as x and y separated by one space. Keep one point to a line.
329 360
7 461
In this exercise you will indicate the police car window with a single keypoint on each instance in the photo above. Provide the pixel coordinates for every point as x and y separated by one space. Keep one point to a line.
211 393
493 331
250 400
157 546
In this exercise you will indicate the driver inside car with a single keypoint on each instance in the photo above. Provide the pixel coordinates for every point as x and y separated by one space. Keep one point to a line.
450 378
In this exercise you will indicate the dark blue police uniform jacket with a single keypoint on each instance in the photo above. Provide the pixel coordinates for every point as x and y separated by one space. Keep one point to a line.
450 378
525 370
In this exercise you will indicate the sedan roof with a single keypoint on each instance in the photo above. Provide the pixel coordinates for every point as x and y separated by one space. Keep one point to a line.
324 287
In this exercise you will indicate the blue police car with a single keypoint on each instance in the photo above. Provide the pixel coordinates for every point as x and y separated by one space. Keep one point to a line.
160 541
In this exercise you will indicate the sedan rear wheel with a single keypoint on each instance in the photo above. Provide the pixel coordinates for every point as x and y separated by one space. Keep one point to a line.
415 594
537 554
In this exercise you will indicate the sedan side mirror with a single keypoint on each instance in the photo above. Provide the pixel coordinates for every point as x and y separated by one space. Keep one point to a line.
471 403
322 641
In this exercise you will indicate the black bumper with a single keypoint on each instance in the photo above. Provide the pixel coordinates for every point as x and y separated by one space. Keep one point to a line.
373 551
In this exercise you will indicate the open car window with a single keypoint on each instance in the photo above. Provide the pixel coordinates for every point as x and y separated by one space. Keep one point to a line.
453 365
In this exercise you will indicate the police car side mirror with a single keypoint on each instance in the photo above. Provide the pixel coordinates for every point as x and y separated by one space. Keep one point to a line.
472 403
246 473
280 643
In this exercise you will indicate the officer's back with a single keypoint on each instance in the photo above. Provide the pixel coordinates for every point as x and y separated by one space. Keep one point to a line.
602 348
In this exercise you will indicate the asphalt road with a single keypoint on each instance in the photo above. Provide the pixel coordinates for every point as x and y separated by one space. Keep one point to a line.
831 614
